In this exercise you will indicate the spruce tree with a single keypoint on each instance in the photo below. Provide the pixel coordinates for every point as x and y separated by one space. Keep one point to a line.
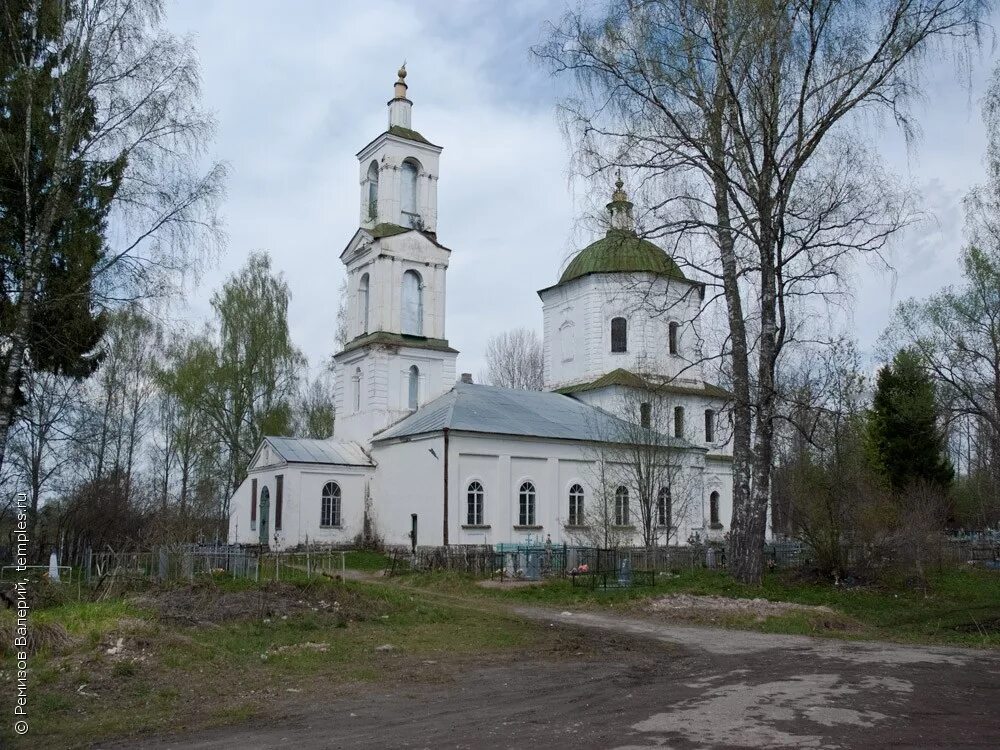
906 441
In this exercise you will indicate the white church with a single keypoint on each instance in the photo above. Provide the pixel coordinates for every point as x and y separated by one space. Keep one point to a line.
419 454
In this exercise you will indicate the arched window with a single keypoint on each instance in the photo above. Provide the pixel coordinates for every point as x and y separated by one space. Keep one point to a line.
576 505
373 191
645 414
356 385
329 514
663 508
363 302
672 330
709 426
679 421
408 195
414 387
621 507
413 304
475 494
619 335
713 511
526 495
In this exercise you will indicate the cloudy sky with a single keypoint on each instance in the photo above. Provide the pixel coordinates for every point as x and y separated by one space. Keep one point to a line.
298 87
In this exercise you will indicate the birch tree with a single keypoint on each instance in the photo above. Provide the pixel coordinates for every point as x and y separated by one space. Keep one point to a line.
514 360
745 121
100 130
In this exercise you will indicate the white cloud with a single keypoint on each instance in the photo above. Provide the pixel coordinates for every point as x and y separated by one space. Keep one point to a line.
299 87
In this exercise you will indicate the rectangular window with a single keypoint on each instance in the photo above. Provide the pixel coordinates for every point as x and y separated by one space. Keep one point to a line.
279 482
709 426
678 421
253 505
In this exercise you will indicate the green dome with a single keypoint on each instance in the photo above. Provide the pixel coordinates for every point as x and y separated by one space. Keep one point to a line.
621 252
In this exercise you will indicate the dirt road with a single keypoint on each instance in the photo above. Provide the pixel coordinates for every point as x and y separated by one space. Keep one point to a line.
664 686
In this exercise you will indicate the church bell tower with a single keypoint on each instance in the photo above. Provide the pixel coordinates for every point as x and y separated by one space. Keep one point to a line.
396 357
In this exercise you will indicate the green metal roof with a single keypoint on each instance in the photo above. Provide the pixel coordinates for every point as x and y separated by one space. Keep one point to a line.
625 378
621 252
387 230
410 135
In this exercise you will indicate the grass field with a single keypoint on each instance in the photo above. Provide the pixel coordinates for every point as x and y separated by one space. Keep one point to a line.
958 607
160 659
128 666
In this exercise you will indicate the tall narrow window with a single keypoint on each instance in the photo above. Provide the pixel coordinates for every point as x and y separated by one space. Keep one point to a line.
253 505
713 510
621 506
663 509
413 304
672 329
679 421
408 196
356 385
329 512
279 500
709 426
474 514
576 505
413 388
645 414
619 335
526 496
373 191
363 303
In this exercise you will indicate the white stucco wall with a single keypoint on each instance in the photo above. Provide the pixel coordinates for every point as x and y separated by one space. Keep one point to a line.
302 498
409 479
577 328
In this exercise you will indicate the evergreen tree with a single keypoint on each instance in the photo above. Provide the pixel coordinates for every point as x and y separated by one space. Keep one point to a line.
906 441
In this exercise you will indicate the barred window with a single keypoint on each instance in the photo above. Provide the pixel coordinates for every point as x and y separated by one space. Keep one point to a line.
526 495
330 509
474 515
576 505
621 506
663 509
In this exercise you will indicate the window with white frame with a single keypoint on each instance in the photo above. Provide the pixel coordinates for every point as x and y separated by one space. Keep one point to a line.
330 505
621 507
526 498
576 505
474 511
663 508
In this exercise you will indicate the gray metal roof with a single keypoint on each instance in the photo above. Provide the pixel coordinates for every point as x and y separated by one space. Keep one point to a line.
470 407
310 451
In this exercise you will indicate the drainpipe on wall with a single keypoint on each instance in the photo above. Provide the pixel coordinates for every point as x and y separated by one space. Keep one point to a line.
445 515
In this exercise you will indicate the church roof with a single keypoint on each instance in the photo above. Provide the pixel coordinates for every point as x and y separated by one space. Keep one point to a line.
626 378
621 251
487 409
312 451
